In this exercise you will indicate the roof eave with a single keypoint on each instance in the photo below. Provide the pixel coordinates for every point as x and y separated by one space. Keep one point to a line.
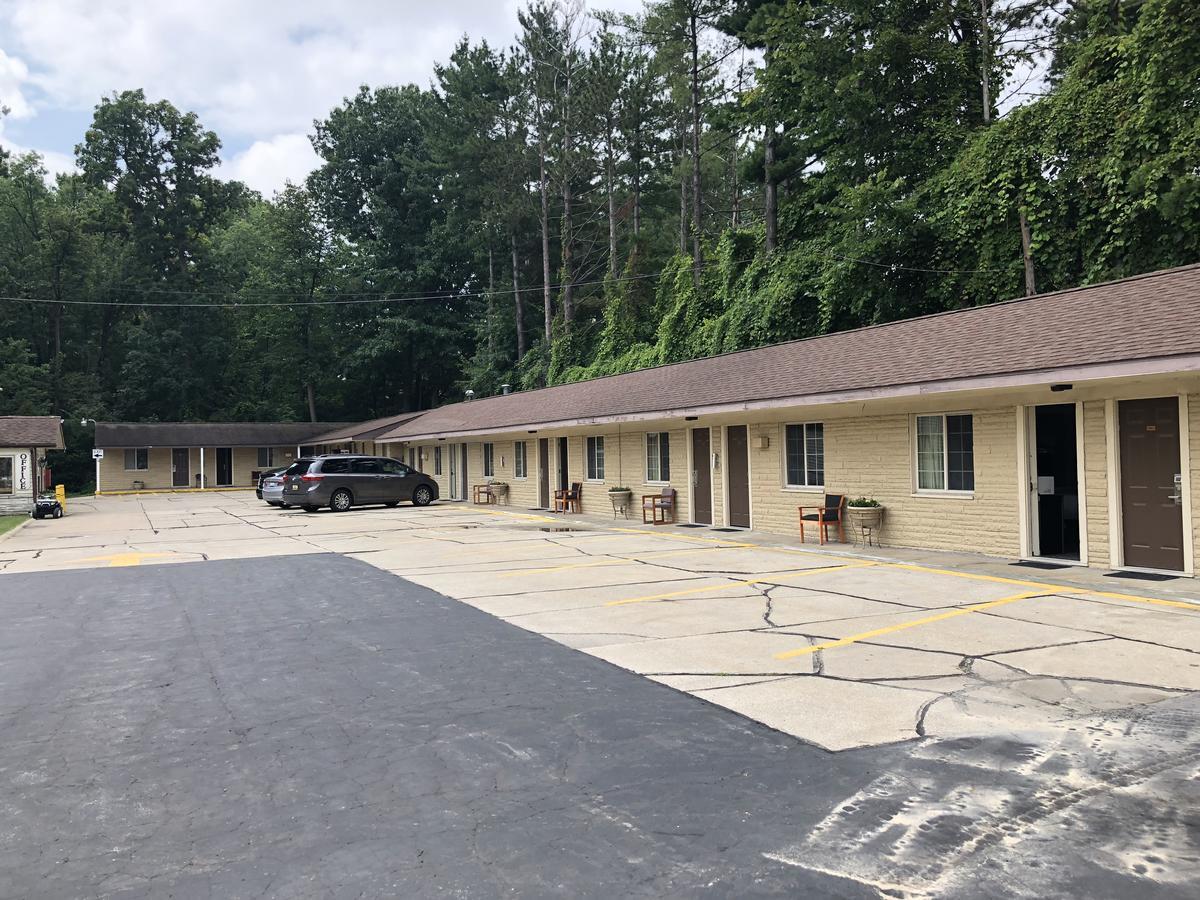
1089 372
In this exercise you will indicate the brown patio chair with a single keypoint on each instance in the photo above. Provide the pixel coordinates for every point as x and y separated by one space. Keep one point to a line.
832 512
659 506
569 500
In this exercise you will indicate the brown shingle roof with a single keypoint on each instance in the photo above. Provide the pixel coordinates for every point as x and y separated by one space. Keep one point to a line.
1145 317
209 434
31 431
364 431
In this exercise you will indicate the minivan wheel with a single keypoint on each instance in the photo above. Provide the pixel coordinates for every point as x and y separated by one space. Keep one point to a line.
341 500
422 496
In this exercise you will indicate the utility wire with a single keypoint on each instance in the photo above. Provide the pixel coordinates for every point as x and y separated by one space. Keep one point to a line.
355 299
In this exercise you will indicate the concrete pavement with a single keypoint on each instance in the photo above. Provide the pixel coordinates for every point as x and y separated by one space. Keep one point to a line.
314 727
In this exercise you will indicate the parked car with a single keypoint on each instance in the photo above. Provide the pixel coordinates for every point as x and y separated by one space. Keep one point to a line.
270 489
263 476
343 480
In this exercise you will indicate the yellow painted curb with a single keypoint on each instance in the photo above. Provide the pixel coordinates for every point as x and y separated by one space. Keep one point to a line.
207 490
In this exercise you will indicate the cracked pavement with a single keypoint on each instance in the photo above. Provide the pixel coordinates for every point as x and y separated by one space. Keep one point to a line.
994 721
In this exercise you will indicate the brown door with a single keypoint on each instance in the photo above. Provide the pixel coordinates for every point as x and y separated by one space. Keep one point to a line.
737 475
544 473
180 466
702 476
224 466
1151 510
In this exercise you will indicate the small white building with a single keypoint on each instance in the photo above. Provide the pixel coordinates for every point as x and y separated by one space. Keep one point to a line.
24 441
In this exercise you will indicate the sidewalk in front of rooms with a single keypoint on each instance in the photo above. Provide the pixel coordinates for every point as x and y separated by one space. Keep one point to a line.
1067 574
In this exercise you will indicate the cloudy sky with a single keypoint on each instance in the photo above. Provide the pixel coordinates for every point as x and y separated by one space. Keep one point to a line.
256 71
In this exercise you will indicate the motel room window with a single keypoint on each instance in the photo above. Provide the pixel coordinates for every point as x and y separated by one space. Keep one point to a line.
519 460
658 457
489 460
266 457
437 460
137 459
6 474
804 455
595 459
945 453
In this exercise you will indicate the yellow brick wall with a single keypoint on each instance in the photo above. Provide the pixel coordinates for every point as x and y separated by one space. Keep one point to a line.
873 457
114 477
1095 473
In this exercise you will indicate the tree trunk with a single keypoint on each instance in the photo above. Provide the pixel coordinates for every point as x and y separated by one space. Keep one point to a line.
683 216
545 187
518 300
610 179
697 207
985 53
771 191
568 234
1027 255
491 301
311 395
635 153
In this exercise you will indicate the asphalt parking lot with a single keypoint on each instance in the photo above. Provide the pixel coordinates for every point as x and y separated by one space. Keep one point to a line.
1016 731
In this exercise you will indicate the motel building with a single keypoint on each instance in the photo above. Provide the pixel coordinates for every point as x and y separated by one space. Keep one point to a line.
1062 427
136 456
24 441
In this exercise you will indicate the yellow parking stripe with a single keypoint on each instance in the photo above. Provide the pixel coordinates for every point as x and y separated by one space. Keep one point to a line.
1177 604
1052 588
891 629
768 579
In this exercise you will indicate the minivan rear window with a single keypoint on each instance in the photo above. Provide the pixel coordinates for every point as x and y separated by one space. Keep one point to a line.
299 467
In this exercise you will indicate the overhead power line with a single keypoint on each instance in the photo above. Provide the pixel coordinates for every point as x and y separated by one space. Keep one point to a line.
358 298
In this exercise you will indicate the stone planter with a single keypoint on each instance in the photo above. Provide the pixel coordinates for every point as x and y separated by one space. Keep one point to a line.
621 502
499 491
864 523
864 516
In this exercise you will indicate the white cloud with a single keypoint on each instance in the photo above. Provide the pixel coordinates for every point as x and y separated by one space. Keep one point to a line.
268 165
13 77
258 73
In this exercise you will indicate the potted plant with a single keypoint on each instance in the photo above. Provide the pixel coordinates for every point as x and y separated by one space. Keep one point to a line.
864 512
622 499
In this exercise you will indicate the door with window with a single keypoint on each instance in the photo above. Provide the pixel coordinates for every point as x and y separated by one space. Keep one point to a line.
366 480
702 476
737 475
1053 463
181 467
1151 483
224 466
396 481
